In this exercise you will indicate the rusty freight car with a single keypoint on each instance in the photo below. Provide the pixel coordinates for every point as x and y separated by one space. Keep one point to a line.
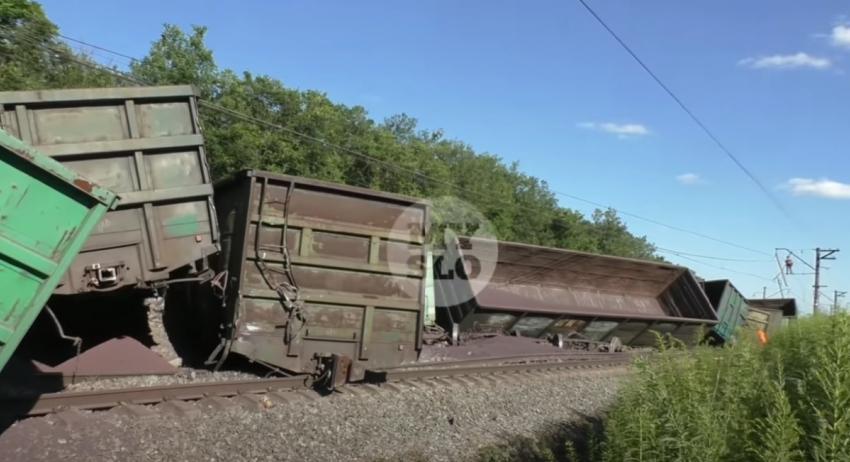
320 272
770 314
542 292
144 144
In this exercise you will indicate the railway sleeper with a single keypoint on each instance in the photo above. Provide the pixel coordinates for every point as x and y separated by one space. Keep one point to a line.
73 418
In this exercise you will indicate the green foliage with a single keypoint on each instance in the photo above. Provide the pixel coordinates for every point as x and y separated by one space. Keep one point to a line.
519 207
33 58
787 401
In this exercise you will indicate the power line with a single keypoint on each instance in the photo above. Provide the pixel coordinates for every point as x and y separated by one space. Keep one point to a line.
774 294
715 266
794 255
305 136
418 175
689 113
713 258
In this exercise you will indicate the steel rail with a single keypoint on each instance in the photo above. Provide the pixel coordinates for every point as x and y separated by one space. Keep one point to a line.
108 398
559 358
111 398
414 374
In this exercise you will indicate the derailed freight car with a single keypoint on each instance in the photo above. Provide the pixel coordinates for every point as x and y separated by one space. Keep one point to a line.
540 292
144 144
320 272
731 307
770 314
46 215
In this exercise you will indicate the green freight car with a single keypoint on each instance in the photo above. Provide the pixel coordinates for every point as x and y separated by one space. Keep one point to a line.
731 307
144 143
46 214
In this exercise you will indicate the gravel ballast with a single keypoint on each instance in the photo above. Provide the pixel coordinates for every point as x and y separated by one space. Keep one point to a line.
446 423
183 377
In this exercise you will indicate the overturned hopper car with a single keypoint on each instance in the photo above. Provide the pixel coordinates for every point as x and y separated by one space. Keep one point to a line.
539 292
320 270
731 308
144 144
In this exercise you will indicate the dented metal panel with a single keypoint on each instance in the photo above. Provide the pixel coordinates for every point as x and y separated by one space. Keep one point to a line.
46 213
144 144
538 291
357 260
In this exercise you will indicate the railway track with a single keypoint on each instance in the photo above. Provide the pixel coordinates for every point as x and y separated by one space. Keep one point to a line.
189 399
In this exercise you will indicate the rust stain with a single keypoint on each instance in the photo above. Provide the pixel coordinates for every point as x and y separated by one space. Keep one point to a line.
84 185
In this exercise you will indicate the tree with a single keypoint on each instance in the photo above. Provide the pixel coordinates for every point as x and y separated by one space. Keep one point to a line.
304 133
32 57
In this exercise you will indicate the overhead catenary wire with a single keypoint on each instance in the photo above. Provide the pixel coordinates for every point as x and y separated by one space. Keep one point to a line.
690 114
716 267
713 258
370 159
249 118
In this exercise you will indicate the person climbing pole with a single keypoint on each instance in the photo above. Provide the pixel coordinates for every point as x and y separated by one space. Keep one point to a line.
789 265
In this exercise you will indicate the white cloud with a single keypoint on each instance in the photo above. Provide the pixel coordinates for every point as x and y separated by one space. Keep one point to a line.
622 130
818 188
841 36
689 178
787 62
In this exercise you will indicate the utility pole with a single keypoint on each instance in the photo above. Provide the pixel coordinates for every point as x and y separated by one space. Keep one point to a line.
820 255
835 301
764 292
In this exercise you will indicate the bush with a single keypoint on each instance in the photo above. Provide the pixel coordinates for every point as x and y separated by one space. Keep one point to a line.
786 401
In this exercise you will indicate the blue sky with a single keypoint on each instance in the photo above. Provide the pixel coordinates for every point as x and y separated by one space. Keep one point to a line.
541 82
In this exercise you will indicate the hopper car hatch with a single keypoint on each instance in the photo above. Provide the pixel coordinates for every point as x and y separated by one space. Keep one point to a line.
559 294
322 278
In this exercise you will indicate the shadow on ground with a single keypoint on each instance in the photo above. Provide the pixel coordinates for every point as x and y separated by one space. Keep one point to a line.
573 441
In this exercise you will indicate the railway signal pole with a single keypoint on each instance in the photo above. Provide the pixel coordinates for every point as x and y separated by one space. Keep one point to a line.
835 300
820 255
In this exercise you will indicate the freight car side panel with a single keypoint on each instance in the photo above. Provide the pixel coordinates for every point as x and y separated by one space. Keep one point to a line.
46 213
144 144
787 306
766 319
538 291
360 280
730 305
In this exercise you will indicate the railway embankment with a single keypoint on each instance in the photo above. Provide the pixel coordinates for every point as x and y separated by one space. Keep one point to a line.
443 419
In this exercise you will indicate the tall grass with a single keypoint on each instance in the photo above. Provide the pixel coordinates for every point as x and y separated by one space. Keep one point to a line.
787 401
782 402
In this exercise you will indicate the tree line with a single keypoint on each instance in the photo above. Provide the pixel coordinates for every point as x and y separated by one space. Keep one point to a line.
402 157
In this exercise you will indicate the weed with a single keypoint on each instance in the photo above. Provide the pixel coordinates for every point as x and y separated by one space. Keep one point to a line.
787 401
